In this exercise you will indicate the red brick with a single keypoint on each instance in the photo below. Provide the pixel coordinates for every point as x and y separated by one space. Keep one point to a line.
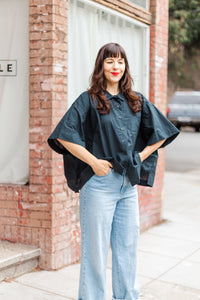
40 18
35 236
44 113
41 233
9 221
38 215
46 224
57 188
14 234
2 231
8 204
8 233
21 234
39 2
40 61
13 213
28 235
41 9
40 70
29 223
41 44
38 198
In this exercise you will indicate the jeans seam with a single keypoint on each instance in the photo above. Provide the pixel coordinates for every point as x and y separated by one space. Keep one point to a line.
123 175
117 263
83 241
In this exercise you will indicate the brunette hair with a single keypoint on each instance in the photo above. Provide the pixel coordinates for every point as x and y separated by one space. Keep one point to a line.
98 81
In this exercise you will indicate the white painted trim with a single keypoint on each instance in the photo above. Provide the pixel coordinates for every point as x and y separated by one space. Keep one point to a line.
146 55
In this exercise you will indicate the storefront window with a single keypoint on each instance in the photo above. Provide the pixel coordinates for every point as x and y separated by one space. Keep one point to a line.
91 26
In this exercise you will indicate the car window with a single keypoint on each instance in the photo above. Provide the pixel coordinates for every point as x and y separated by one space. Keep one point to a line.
186 98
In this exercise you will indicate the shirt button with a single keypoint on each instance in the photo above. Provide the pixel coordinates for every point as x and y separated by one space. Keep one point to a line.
122 128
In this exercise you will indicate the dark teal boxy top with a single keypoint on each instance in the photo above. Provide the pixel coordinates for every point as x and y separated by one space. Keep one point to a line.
117 137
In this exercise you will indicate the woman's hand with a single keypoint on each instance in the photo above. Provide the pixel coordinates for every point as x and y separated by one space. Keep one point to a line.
141 156
101 167
147 151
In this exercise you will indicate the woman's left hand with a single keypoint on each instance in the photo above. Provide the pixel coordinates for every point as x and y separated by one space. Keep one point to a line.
141 157
148 150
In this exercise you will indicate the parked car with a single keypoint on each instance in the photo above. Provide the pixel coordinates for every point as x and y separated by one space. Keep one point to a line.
184 109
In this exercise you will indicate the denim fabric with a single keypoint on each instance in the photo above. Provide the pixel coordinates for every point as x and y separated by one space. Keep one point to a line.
109 213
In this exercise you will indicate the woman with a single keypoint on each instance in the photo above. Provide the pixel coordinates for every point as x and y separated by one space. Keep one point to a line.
109 140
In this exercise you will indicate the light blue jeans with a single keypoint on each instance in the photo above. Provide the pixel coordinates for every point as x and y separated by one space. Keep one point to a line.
109 212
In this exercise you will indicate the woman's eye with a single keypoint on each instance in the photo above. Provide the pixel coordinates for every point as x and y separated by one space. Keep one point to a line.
119 62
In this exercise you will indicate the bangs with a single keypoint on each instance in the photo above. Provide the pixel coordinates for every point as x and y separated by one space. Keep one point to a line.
113 50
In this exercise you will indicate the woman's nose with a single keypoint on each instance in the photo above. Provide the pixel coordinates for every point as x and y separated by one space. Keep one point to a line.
116 65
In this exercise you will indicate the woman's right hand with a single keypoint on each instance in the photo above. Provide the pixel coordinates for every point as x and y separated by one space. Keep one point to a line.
101 167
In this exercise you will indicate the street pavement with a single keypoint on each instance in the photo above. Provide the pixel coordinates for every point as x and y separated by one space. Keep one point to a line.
168 254
183 154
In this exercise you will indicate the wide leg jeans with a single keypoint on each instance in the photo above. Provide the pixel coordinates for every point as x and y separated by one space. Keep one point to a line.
109 213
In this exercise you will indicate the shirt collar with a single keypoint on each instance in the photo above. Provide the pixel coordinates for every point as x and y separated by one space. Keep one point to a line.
119 96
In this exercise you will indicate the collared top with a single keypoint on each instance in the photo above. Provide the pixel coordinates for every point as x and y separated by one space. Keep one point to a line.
117 137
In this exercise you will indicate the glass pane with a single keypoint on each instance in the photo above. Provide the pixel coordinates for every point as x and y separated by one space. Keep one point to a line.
142 3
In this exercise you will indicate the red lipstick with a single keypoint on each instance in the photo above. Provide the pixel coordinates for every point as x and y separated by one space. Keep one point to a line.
115 73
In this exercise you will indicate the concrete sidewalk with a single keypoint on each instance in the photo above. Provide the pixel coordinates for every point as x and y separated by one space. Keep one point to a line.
169 254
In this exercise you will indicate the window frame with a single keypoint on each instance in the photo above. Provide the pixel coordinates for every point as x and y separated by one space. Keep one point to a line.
128 8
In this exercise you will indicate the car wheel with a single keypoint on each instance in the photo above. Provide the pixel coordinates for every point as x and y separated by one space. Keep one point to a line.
197 129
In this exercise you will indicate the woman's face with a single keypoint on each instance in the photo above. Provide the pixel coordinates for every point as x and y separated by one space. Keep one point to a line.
114 68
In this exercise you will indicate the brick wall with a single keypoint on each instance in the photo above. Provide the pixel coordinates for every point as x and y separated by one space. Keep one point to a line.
45 212
151 198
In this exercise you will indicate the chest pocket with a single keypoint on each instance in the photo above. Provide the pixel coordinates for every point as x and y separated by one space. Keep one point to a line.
133 123
125 119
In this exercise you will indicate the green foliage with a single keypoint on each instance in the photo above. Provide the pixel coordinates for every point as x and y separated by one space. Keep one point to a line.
184 24
184 41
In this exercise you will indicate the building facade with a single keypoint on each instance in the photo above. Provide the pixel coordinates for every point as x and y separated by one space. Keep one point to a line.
37 207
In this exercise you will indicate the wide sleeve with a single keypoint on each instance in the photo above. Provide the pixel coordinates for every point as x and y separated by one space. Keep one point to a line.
155 126
71 127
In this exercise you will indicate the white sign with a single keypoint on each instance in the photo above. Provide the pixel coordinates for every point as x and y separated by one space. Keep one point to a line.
8 67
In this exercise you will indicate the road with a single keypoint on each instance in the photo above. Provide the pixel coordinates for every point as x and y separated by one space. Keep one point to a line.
183 154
